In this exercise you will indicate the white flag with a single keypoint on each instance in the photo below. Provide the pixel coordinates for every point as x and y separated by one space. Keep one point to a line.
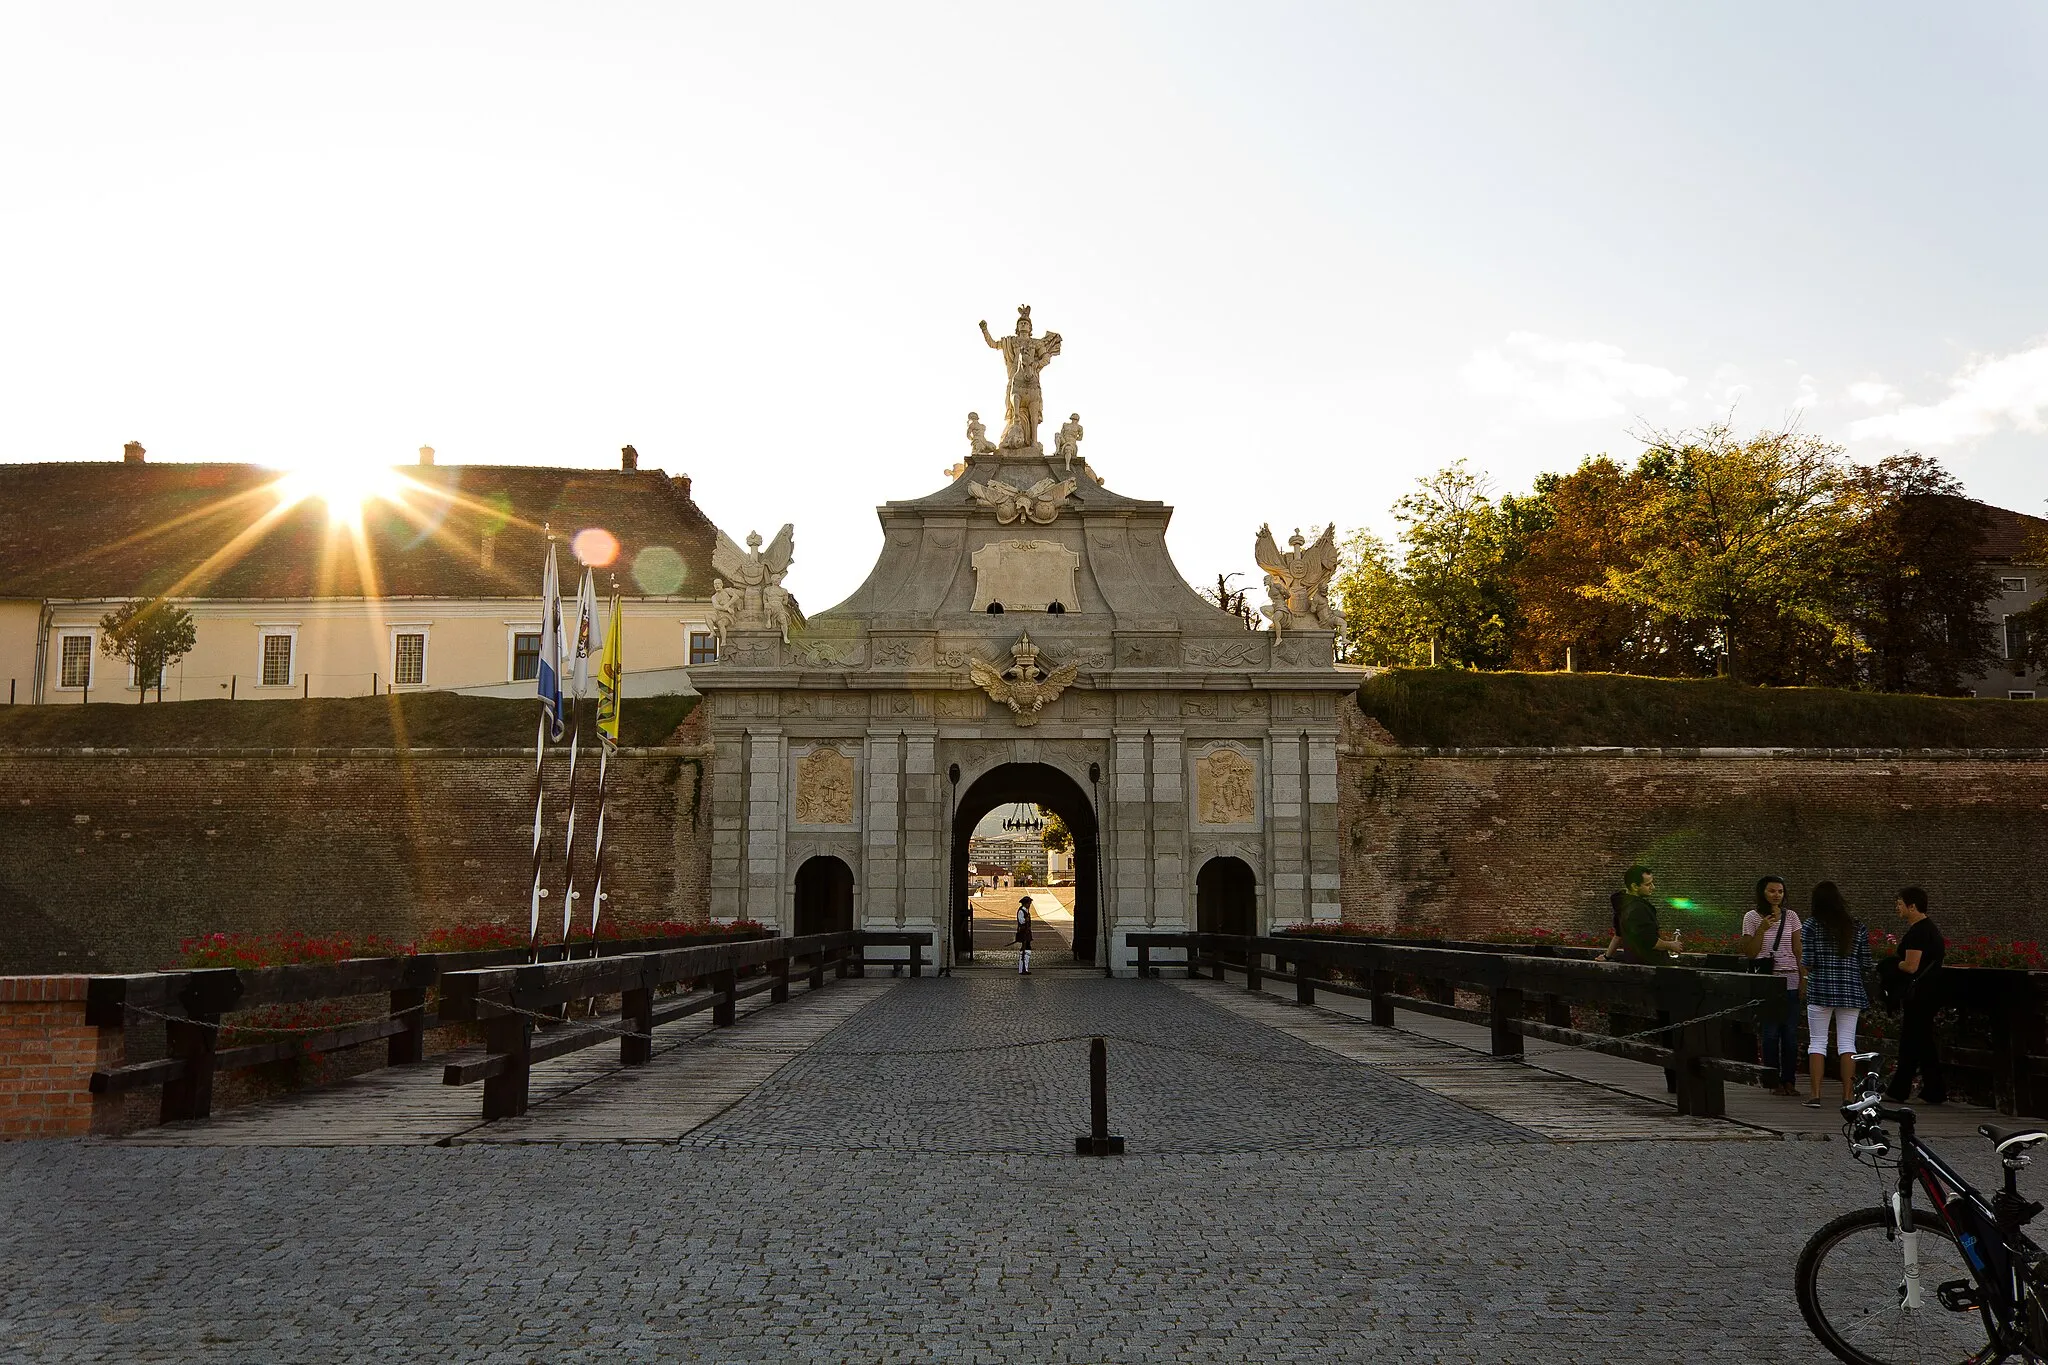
588 640
548 679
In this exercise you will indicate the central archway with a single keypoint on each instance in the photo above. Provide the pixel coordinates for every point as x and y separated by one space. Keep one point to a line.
1037 784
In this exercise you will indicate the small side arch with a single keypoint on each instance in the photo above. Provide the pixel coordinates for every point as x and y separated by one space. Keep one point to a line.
1226 897
824 896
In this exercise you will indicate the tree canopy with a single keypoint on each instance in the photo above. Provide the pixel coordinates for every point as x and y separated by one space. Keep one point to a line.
149 635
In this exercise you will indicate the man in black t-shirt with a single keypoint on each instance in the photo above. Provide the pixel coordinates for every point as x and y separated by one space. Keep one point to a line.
1637 936
1921 950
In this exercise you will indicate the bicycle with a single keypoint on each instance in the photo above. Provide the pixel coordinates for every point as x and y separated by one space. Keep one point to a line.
1882 1286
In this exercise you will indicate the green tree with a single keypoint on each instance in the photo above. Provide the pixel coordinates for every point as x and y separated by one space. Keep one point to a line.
1917 589
1022 871
1747 538
149 636
1056 836
1383 622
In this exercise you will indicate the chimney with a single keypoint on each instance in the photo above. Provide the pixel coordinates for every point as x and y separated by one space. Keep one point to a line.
629 459
132 453
426 454
680 484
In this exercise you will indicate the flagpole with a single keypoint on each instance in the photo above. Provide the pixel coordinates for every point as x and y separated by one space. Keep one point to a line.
540 749
547 675
597 855
579 655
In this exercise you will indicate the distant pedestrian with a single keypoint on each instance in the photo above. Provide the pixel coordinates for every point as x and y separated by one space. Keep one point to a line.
1837 960
1773 931
1024 937
1635 921
1918 965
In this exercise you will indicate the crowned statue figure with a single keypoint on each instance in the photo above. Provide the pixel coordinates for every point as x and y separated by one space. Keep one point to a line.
1023 356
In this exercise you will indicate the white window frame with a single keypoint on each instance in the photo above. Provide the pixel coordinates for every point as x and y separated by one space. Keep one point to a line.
293 669
2005 635
426 646
513 630
92 645
2012 584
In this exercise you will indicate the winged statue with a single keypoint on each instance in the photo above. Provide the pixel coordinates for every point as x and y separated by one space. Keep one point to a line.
1298 580
1040 503
749 592
1026 686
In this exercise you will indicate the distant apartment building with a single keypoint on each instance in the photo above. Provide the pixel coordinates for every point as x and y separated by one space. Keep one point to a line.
1006 853
431 583
2013 548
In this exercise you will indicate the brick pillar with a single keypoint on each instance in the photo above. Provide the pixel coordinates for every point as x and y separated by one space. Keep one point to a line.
47 1056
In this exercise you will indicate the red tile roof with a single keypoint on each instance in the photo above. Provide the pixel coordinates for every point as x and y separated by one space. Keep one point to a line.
95 530
2014 537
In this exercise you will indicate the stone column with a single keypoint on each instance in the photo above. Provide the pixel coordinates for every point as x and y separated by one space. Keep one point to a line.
1286 825
925 837
1170 908
882 901
1325 864
767 832
725 790
1126 844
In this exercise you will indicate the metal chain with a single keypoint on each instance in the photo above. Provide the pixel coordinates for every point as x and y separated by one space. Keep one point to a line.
148 1013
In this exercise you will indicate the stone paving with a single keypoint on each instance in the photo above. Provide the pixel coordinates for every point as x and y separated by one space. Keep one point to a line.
863 1207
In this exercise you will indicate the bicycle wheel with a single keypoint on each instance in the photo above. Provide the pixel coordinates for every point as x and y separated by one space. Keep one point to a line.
1851 1281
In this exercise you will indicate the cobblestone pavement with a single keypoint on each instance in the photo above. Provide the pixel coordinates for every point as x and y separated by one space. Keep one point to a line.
1428 1233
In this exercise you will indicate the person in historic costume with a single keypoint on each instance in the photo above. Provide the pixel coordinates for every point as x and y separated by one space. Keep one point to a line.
1024 937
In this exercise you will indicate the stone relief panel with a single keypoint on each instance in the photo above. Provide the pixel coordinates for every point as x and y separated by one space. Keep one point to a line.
959 705
824 787
1024 575
1305 651
1146 653
1249 652
828 653
1087 704
1226 788
1201 706
901 651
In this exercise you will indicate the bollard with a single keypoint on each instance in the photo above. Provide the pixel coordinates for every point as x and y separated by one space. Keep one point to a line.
1098 1140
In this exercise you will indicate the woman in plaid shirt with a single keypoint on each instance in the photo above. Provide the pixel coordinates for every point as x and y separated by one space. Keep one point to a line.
1837 959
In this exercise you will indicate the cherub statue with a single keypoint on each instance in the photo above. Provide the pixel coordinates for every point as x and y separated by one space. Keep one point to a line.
1297 580
978 442
1067 445
726 603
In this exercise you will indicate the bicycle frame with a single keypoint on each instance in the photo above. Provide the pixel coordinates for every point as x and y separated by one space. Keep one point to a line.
1995 1256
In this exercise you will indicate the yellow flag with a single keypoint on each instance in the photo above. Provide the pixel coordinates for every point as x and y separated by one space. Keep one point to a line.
609 675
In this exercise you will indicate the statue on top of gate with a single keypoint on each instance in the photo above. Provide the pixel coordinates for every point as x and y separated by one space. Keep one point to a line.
1298 580
1023 356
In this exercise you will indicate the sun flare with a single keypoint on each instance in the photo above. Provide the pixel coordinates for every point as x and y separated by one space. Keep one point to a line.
346 489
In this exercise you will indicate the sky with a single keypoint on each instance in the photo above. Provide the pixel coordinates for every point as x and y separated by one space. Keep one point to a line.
1300 255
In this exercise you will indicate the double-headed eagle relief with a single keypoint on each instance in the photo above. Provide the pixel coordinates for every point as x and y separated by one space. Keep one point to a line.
1298 580
1023 356
1026 686
748 594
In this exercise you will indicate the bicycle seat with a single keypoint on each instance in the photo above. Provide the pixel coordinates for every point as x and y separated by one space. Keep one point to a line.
2012 1140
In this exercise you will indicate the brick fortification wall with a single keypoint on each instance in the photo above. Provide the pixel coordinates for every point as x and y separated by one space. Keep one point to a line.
108 859
1462 843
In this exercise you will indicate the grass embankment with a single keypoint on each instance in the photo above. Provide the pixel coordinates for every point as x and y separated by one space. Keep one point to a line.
1456 708
418 720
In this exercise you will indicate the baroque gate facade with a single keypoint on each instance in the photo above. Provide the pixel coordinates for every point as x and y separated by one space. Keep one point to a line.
1024 635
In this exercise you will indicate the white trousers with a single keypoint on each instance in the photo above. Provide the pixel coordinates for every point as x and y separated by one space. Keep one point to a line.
1817 1017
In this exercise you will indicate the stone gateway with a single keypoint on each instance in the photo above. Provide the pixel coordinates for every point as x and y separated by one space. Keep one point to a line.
866 745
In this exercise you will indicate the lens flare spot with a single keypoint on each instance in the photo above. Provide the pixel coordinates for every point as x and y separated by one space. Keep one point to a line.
595 547
658 570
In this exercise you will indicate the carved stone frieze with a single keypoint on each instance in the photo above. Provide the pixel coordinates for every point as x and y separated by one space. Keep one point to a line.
900 651
828 653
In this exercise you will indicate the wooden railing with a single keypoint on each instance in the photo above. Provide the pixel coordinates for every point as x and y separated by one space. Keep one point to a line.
191 1004
526 1010
1523 997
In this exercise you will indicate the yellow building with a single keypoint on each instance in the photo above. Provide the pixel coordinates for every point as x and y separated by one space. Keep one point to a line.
424 577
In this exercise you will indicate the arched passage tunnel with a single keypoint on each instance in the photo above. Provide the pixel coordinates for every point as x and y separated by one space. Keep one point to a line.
1036 784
